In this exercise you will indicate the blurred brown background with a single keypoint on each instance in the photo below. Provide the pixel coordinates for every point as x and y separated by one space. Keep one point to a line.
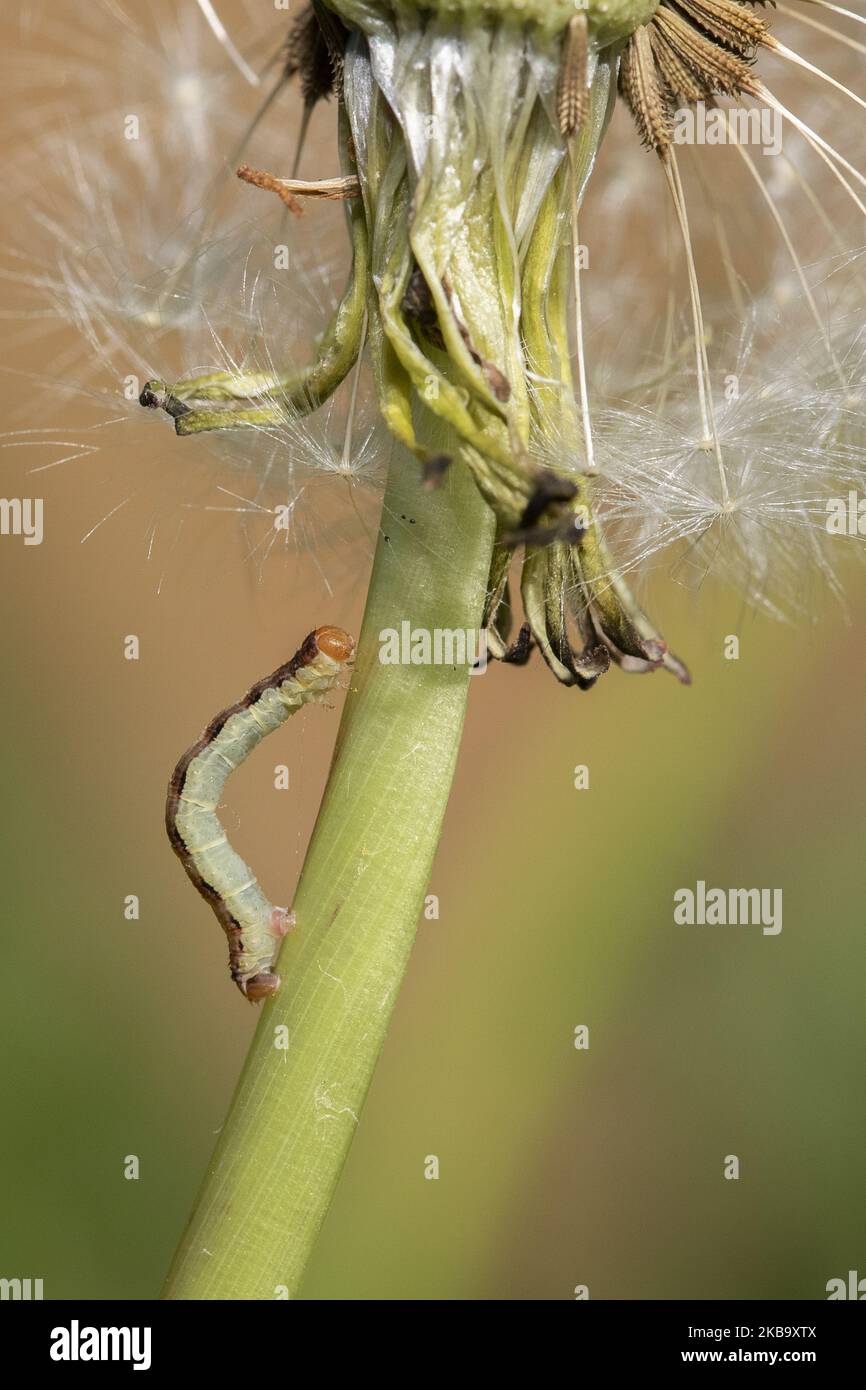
558 1167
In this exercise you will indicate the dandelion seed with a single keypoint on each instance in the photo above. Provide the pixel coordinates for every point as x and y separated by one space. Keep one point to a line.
223 38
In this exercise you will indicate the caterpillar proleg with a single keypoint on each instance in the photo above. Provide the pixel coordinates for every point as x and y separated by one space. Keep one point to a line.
253 925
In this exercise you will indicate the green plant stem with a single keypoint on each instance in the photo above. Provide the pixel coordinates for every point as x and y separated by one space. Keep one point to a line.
361 893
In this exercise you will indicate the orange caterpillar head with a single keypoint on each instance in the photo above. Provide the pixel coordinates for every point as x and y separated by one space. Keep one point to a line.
335 643
261 986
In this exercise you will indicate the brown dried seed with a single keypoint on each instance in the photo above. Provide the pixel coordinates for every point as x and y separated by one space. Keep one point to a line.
314 53
731 22
720 70
680 80
640 85
572 88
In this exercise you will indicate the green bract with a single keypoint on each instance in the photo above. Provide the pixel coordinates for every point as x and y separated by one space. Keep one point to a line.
464 239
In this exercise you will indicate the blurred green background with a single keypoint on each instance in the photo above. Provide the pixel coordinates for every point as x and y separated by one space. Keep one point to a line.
558 1167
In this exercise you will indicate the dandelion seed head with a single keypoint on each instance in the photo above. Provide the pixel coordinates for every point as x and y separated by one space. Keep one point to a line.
164 267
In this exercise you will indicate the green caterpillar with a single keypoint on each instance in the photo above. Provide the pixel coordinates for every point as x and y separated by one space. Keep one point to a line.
253 925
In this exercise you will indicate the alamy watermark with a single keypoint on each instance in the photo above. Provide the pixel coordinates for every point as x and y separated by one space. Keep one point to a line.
846 516
851 1288
438 646
22 516
735 125
77 1343
729 907
21 1290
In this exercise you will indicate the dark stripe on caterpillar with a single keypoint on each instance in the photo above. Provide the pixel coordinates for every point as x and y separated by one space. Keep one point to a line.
253 925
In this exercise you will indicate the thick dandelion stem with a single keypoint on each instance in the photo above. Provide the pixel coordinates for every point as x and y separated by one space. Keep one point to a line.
361 893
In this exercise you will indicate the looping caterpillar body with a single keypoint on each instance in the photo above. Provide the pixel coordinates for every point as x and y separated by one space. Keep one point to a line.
253 925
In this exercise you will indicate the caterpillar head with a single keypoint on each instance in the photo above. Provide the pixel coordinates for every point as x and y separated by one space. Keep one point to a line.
261 986
335 643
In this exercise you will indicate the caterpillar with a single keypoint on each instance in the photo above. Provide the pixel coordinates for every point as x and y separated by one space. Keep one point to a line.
253 925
